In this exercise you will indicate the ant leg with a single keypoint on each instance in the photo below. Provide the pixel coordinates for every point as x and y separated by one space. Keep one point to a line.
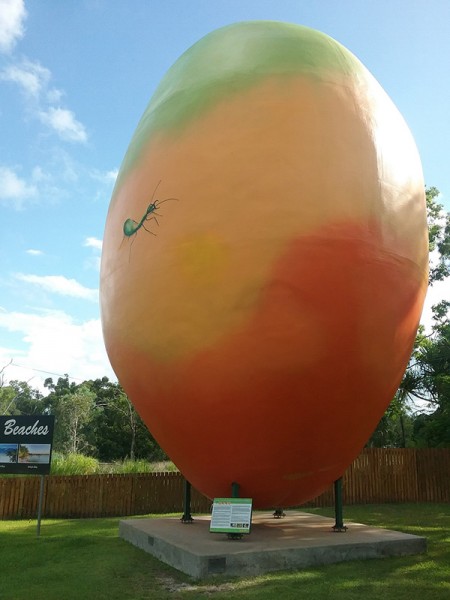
153 218
131 245
148 230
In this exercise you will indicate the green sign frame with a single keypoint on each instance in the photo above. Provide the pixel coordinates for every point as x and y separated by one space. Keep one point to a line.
231 515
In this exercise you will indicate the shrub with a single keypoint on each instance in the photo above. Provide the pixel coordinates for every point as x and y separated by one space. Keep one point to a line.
79 464
137 466
73 464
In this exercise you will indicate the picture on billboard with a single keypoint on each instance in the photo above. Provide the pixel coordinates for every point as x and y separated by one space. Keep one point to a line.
36 454
8 453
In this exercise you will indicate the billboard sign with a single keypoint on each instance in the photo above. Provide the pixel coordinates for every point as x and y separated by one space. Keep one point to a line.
26 444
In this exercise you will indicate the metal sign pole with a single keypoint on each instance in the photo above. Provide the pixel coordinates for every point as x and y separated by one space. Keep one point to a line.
41 497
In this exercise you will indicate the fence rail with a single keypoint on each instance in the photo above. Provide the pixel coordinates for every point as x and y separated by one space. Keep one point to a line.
378 475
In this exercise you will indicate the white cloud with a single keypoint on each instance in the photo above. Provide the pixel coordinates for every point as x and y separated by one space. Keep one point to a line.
53 342
30 76
439 291
39 175
13 189
43 186
34 252
58 284
108 177
92 242
12 17
44 103
65 124
112 175
93 262
54 96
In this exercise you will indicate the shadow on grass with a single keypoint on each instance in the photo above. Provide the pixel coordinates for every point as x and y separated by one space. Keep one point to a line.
86 559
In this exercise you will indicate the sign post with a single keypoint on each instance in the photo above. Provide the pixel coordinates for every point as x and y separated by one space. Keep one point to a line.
26 448
41 498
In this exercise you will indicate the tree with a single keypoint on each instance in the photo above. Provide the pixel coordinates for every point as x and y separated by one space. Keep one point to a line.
426 377
77 409
6 393
73 407
27 401
438 235
395 427
119 431
12 455
23 452
18 397
432 370
97 418
7 397
61 387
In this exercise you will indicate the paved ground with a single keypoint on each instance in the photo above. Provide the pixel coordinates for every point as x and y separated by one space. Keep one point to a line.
299 540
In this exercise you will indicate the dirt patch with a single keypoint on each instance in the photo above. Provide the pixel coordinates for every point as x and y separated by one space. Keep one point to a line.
173 586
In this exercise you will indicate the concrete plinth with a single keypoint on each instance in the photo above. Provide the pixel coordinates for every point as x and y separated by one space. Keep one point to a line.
297 541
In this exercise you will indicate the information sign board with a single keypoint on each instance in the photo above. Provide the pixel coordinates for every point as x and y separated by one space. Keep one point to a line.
26 444
231 515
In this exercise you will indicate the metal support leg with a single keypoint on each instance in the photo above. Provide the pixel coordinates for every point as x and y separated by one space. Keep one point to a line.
187 517
339 526
234 494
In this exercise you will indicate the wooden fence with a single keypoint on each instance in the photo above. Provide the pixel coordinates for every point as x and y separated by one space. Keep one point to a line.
376 476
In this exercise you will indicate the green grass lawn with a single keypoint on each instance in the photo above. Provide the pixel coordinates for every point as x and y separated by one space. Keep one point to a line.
84 559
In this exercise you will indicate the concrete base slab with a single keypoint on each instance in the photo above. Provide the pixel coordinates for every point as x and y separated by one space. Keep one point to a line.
297 541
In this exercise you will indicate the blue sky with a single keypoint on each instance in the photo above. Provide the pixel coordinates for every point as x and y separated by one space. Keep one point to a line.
75 77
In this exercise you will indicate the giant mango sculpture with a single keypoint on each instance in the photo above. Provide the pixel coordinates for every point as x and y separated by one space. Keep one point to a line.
265 261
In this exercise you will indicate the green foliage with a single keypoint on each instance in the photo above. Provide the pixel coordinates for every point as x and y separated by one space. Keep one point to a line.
73 410
137 466
85 558
119 431
27 401
427 378
98 418
438 235
395 428
433 430
61 387
18 398
73 464
79 464
94 418
432 362
7 396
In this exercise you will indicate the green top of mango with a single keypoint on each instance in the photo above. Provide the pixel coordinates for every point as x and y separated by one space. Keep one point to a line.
231 59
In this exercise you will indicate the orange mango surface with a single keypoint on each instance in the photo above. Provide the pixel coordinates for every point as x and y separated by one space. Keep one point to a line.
262 317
